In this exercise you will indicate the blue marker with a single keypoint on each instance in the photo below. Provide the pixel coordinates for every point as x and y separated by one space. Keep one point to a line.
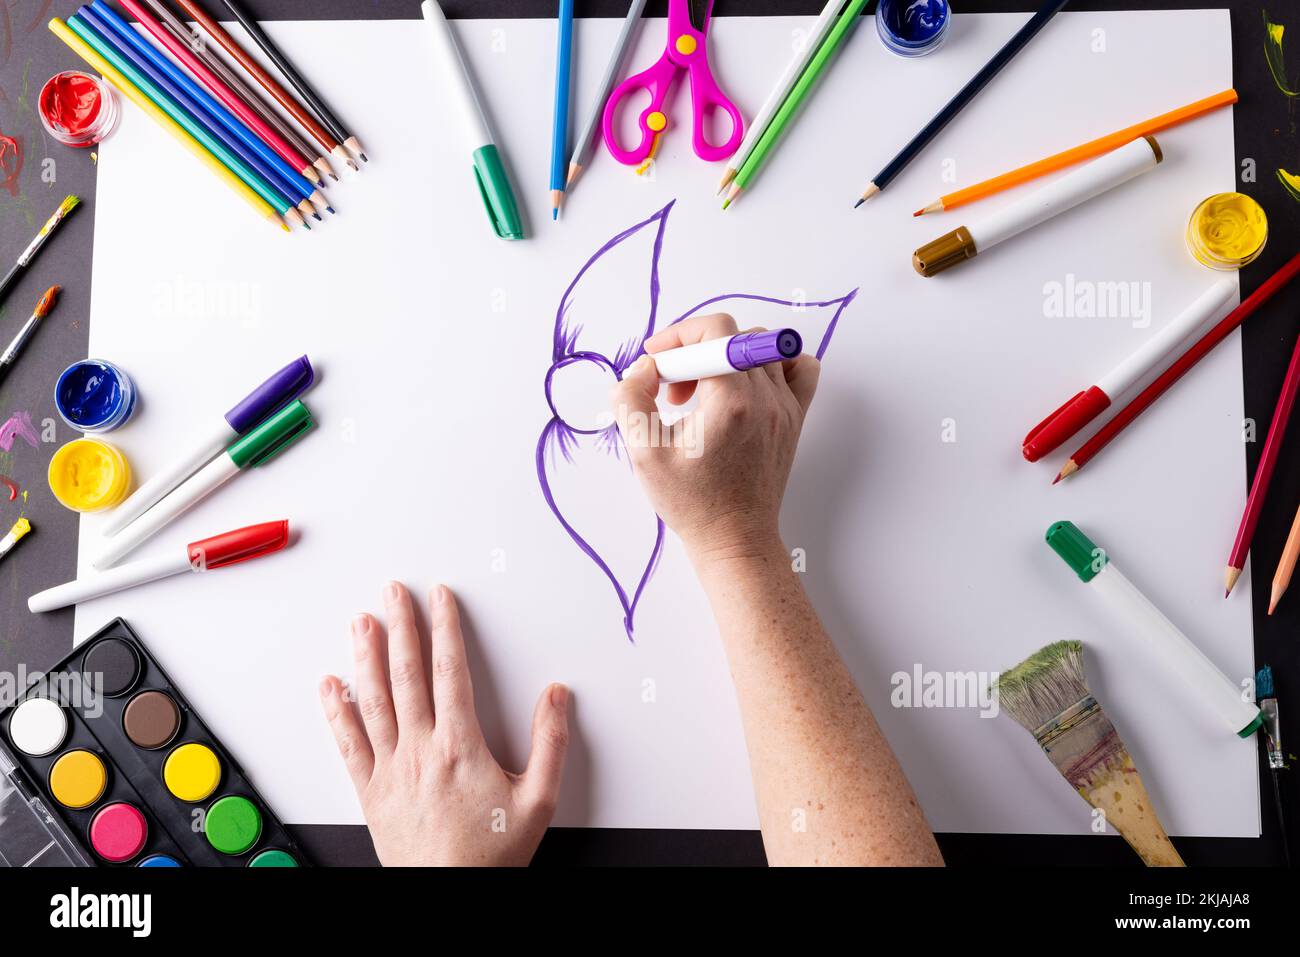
560 131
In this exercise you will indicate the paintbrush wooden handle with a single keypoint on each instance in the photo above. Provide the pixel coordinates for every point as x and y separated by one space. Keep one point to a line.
1123 797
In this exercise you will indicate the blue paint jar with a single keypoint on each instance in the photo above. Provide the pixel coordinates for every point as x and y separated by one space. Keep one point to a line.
912 27
94 396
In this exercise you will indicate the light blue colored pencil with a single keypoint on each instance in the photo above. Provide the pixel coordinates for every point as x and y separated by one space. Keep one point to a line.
563 85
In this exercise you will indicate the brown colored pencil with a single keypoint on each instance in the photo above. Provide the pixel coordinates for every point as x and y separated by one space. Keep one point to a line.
195 44
267 82
304 89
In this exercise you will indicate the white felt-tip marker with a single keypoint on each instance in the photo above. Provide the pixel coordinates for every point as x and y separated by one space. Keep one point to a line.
277 391
256 448
229 548
748 350
1092 179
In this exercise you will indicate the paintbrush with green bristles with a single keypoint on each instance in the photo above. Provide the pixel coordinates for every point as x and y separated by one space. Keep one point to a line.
1047 695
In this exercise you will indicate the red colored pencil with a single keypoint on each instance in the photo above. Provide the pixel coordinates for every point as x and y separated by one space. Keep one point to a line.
1263 472
1147 396
222 92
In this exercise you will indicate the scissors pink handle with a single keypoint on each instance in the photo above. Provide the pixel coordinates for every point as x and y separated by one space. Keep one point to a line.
686 50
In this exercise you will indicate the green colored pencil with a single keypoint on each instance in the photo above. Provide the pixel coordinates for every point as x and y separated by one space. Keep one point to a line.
792 102
177 113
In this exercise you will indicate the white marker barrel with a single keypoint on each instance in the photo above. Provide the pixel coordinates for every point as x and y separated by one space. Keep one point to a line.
748 350
1162 343
106 583
1211 688
1105 172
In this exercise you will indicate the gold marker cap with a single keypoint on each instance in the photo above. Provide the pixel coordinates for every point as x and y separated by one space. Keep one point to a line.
948 250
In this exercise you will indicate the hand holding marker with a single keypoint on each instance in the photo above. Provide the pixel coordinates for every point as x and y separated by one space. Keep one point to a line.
256 448
276 392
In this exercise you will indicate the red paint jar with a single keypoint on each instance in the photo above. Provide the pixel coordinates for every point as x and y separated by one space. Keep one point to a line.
77 109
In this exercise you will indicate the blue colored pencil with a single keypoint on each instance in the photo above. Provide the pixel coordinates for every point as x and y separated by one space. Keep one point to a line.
169 89
560 131
302 187
1049 9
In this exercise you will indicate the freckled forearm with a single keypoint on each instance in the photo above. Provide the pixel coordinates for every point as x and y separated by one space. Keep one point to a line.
828 787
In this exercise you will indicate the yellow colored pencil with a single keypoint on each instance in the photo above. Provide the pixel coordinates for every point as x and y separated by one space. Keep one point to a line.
128 89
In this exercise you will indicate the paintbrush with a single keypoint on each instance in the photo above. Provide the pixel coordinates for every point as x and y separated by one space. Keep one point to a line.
1267 701
1047 694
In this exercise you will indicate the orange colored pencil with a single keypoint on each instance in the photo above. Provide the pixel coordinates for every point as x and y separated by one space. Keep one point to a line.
1078 154
1285 564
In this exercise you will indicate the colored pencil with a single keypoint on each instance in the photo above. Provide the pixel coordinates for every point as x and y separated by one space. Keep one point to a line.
267 82
304 89
1047 694
1263 472
15 348
1077 154
1193 355
921 140
807 80
188 50
113 76
585 144
269 163
560 118
1286 564
222 155
163 84
793 70
25 258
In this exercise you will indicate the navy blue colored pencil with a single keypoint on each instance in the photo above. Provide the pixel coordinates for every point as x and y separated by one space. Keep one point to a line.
1049 9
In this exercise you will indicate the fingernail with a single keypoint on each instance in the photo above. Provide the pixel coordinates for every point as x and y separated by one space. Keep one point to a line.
440 594
327 687
390 591
360 626
559 697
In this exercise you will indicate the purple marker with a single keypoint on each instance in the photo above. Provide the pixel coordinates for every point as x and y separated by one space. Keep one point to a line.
273 394
738 353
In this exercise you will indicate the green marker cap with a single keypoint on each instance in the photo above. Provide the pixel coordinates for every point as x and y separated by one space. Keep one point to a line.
271 437
1077 549
498 198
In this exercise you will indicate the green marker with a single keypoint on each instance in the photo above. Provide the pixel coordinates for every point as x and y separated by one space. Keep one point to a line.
1134 612
249 451
489 170
776 128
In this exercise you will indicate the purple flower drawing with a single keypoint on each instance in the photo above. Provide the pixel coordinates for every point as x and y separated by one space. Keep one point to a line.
620 533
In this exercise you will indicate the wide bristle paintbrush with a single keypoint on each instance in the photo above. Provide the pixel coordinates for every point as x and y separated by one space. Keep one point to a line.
1047 694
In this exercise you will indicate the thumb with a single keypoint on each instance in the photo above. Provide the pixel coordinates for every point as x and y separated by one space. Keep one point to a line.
550 744
635 393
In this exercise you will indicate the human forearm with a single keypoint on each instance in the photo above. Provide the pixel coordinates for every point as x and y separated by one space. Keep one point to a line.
828 787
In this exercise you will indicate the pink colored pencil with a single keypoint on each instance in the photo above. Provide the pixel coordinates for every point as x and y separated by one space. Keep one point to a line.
217 88
1264 472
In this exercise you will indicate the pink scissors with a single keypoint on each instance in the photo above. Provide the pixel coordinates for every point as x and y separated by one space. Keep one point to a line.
688 24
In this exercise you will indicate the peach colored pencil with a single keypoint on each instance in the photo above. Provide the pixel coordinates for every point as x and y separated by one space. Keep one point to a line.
1285 564
1077 154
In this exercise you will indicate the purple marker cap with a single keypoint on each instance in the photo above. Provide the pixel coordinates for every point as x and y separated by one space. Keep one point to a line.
279 390
751 349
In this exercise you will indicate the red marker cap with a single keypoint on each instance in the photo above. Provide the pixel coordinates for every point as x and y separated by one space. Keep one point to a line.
1063 423
231 548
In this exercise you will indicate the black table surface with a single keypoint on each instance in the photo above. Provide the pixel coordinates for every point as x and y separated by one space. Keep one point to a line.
36 172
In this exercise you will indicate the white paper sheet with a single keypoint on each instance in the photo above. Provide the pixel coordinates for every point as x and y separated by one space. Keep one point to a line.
433 339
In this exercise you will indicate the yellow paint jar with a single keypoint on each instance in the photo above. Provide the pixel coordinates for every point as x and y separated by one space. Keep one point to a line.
1227 231
88 475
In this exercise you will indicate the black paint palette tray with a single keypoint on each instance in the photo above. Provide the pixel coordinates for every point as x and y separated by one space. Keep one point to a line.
107 750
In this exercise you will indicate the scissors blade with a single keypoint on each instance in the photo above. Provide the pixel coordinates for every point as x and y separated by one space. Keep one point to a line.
698 11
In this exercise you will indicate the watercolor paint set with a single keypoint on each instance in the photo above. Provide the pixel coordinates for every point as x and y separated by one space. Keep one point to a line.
105 748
